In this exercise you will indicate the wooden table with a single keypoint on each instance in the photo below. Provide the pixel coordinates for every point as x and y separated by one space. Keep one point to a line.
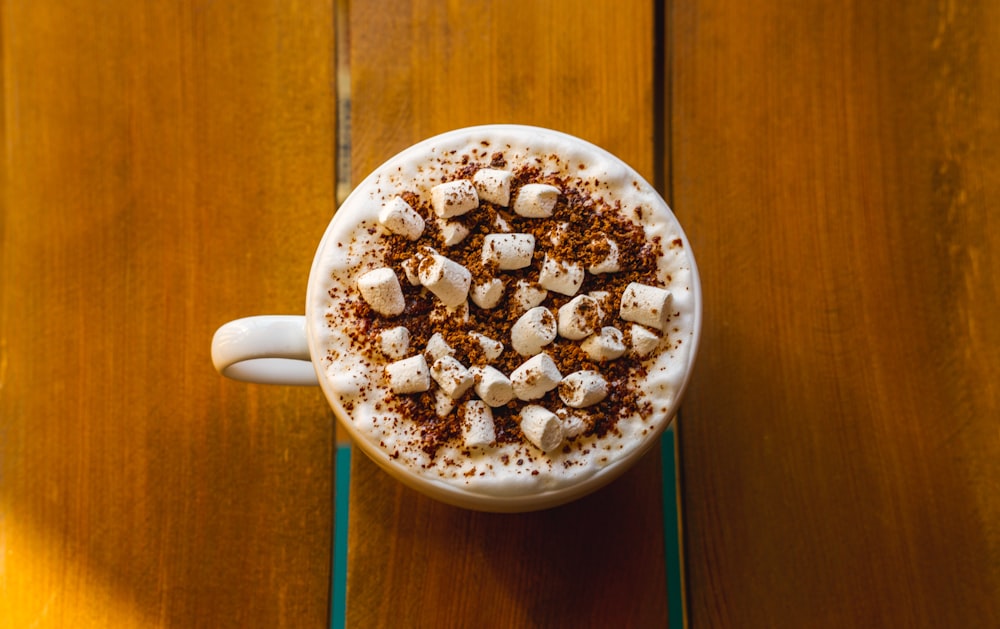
170 166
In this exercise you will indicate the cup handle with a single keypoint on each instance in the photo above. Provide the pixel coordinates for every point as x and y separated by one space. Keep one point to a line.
268 349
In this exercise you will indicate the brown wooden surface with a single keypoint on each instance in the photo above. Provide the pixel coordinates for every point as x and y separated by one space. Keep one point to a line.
836 165
418 69
166 167
169 166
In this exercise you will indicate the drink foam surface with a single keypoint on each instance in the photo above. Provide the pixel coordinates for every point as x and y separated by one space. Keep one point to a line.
599 193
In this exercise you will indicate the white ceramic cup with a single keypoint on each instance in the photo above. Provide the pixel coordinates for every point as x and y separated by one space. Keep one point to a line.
288 350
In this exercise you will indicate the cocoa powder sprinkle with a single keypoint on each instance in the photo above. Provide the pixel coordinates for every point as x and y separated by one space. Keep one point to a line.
578 231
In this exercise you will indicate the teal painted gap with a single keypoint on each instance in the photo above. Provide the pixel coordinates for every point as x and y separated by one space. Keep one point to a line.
672 531
342 479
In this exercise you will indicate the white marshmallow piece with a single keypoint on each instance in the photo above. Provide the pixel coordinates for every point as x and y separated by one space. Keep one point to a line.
581 389
409 375
501 225
556 235
608 344
533 331
399 218
449 315
411 265
447 279
443 404
610 263
454 198
452 376
394 342
644 342
565 278
493 185
646 305
381 289
536 200
491 348
438 347
477 424
541 427
492 386
452 232
411 268
527 295
579 318
603 298
535 377
509 251
487 294
574 423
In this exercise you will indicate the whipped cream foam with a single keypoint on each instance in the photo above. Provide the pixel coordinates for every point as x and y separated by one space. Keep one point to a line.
504 310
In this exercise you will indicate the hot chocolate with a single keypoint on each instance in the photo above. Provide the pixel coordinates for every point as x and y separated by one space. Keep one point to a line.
506 310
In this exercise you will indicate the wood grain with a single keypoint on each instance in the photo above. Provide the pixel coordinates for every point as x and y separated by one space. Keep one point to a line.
167 167
420 68
836 165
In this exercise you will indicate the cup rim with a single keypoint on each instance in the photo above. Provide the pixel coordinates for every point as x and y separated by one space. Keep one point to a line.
453 494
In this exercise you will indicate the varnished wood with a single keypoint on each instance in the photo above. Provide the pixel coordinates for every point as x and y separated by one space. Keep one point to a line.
167 167
419 69
835 164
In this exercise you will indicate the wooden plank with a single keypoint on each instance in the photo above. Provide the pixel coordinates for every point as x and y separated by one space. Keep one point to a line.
420 68
167 167
836 164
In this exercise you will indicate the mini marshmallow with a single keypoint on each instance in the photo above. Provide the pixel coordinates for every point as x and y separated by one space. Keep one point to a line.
643 341
452 376
535 377
447 279
448 315
562 277
533 331
508 251
492 386
491 348
541 427
536 200
487 294
394 342
574 423
603 298
527 295
411 265
438 347
556 235
454 198
610 262
477 424
452 232
409 375
579 318
443 404
398 217
583 388
607 344
381 289
493 185
411 270
501 225
646 305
